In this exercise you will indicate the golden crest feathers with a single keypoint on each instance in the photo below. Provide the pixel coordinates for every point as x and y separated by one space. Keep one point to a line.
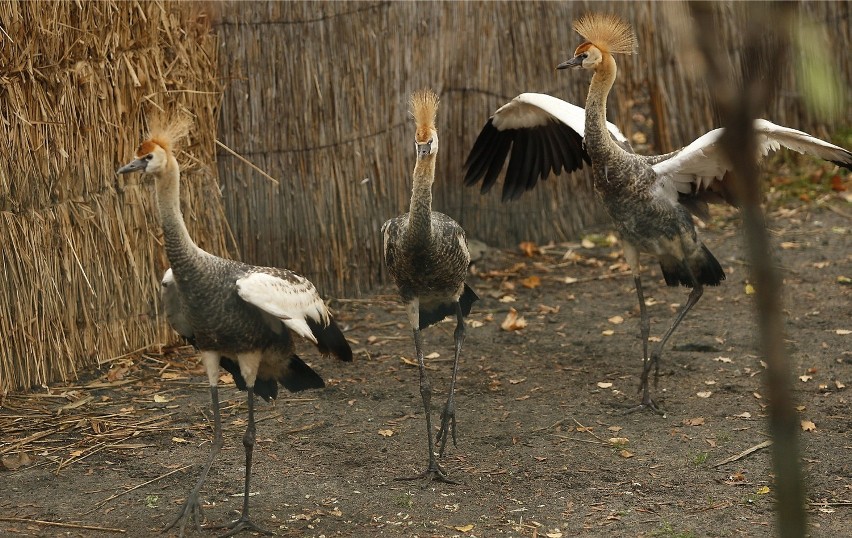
607 32
424 108
168 131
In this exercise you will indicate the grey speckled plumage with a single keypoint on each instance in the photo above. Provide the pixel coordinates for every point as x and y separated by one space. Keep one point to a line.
241 317
429 264
427 256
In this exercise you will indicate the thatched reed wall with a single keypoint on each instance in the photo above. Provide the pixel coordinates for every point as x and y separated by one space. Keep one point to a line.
316 95
82 253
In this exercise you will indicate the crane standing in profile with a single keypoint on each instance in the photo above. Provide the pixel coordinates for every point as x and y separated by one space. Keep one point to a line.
427 256
241 317
651 199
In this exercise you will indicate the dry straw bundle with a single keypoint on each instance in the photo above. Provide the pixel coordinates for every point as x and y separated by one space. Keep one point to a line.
82 254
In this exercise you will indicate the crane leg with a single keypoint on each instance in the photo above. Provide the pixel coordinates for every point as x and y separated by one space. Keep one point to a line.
191 508
433 471
244 523
448 416
645 330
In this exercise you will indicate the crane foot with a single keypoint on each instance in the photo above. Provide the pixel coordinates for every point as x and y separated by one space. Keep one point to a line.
241 525
432 473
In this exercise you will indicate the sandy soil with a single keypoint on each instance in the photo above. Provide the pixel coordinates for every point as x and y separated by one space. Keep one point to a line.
537 411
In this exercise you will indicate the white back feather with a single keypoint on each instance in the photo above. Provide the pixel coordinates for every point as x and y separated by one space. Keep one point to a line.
291 302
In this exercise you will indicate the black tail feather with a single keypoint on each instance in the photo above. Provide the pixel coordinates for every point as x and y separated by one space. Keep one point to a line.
704 269
295 376
298 376
441 311
265 388
330 339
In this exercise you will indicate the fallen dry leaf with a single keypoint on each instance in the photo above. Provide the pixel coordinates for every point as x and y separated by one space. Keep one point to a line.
745 414
808 426
464 528
625 454
805 378
433 355
531 282
604 384
179 440
763 491
529 248
839 385
842 331
787 245
570 280
749 289
475 323
507 299
704 394
697 421
618 440
553 534
586 243
615 429
386 433
513 321
608 332
11 463
161 399
723 359
544 309
616 320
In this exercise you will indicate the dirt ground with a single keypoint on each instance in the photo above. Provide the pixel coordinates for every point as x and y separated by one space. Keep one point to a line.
544 446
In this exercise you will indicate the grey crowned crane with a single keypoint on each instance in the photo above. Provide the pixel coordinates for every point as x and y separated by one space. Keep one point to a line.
650 199
427 256
241 317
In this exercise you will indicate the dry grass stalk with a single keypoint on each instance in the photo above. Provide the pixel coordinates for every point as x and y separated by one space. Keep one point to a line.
82 253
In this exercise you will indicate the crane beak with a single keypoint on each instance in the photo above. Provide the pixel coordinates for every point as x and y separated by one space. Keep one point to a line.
133 166
574 62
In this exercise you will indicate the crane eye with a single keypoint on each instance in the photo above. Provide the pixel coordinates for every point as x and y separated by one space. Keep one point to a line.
148 157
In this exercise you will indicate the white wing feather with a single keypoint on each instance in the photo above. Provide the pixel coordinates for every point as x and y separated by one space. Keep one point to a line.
702 161
536 109
293 302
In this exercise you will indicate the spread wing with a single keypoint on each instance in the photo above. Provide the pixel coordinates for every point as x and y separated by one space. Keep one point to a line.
544 134
702 167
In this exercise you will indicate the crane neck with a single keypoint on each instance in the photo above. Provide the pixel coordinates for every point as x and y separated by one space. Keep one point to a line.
420 210
599 143
179 245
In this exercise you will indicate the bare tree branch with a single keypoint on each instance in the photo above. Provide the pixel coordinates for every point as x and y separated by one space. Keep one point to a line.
762 60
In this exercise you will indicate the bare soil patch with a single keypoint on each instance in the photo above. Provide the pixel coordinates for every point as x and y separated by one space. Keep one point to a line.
537 409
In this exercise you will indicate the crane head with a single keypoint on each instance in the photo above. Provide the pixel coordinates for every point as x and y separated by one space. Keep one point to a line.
424 109
155 152
604 34
587 56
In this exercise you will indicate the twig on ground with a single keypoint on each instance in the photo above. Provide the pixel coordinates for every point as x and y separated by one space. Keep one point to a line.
744 453
58 524
115 496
